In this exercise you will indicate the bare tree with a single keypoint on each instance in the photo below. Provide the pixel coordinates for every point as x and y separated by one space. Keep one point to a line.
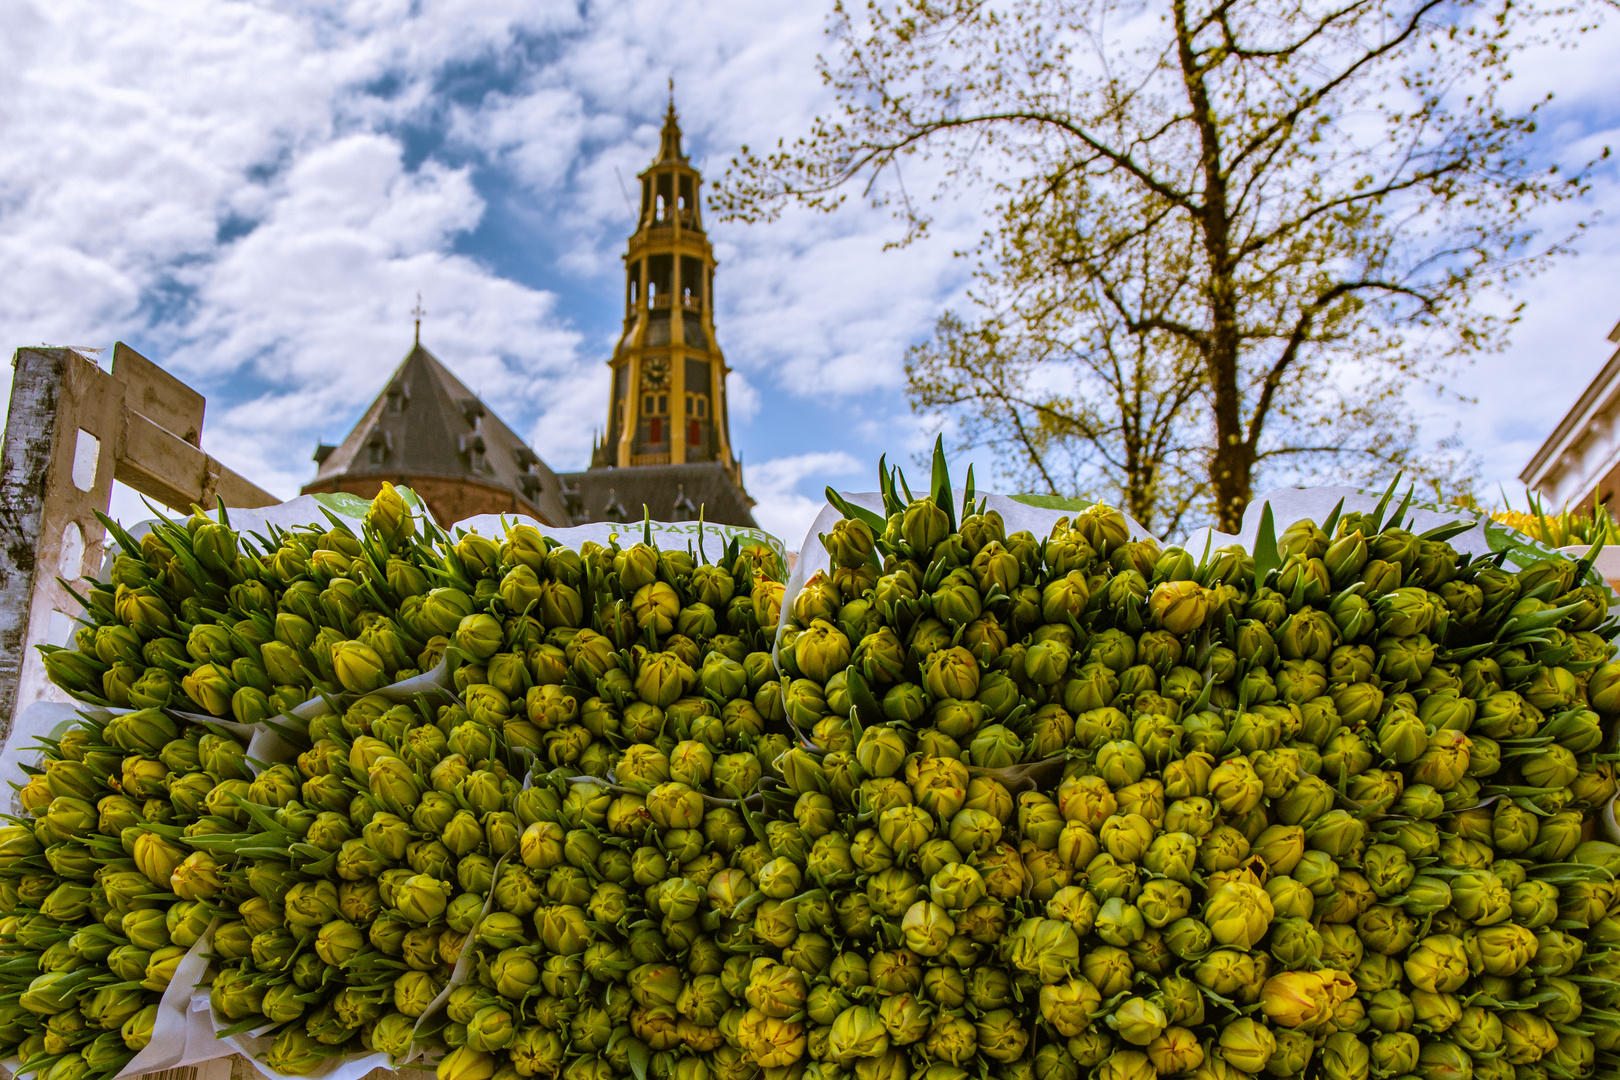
1103 417
1305 197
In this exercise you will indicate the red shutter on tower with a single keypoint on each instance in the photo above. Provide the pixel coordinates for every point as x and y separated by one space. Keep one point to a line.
694 433
655 430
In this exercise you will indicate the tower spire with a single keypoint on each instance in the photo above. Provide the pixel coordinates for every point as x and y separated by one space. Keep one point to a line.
666 449
668 402
417 313
669 148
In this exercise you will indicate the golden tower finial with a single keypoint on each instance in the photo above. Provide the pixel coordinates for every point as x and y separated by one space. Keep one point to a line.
417 312
669 148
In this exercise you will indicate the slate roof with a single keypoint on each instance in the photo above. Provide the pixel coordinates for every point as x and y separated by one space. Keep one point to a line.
669 492
428 423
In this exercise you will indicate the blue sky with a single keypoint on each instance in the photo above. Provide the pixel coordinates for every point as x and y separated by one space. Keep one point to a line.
253 194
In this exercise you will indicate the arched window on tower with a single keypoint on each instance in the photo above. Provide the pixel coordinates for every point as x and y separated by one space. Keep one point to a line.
688 203
691 282
666 197
660 280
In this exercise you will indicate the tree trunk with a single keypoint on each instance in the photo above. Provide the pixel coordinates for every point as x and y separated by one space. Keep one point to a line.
1231 467
1229 475
1232 463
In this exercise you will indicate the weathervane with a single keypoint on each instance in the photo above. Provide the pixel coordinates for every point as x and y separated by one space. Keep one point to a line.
418 313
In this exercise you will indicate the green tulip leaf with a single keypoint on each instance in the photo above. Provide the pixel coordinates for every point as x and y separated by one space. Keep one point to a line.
1266 555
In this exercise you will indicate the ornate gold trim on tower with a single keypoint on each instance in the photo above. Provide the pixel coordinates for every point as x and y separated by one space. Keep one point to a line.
668 403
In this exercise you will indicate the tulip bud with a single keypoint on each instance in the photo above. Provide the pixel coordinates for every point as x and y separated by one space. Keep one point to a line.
465 1063
1138 1020
1180 606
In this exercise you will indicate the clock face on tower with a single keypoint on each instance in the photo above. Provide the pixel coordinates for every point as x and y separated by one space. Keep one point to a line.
656 374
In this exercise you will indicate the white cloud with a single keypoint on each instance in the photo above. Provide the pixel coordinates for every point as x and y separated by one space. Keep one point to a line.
809 303
537 135
1558 345
312 305
742 399
229 185
786 280
1558 348
782 511
575 405
187 119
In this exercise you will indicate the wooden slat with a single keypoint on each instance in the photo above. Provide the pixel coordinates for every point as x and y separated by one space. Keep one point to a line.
187 1072
157 395
236 489
158 452
161 465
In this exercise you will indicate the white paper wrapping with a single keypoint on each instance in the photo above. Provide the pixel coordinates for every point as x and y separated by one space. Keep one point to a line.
183 1033
172 1035
251 1046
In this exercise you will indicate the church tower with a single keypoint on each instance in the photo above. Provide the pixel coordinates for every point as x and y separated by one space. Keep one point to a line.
667 441
668 399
